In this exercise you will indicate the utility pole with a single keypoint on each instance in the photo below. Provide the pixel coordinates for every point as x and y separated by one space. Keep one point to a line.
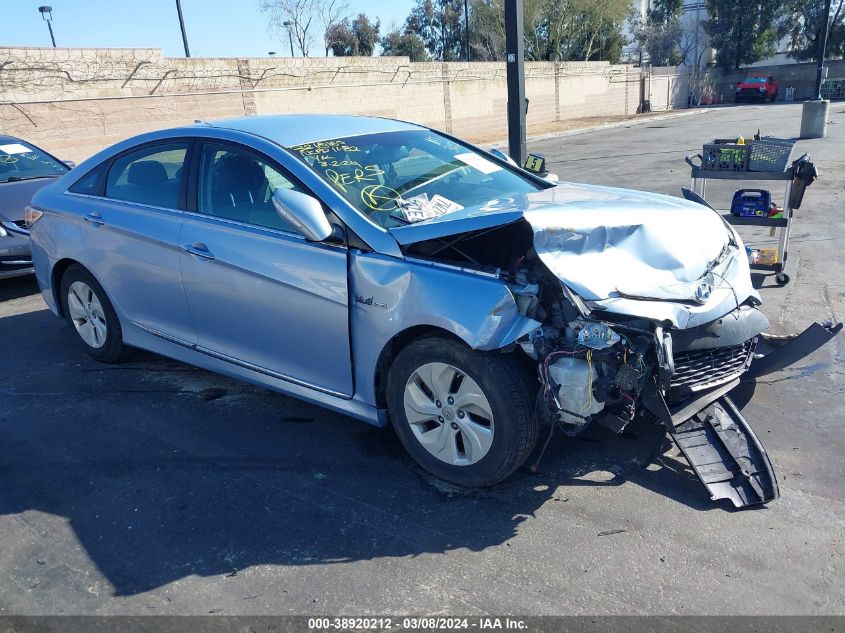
814 113
515 62
182 26
466 27
443 29
824 27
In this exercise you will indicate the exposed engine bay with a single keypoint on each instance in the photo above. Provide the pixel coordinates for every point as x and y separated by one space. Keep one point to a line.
596 366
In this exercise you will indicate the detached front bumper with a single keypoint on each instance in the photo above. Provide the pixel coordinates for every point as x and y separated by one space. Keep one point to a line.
708 427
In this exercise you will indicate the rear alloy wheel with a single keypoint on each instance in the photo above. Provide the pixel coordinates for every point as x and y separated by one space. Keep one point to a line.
88 311
464 416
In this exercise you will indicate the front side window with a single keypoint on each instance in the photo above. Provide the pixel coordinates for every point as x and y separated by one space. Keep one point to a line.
398 178
21 161
151 175
238 185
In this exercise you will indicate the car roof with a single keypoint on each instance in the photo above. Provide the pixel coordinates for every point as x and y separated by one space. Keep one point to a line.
5 138
295 129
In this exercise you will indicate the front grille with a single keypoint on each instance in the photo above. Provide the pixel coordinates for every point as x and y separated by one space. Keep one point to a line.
705 368
750 92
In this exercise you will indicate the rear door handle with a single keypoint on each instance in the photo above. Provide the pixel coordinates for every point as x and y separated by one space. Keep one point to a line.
199 249
94 218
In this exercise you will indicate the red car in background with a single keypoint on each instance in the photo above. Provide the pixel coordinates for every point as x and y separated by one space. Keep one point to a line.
757 89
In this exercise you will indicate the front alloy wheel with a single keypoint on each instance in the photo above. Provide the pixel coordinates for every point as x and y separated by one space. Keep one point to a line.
465 416
449 414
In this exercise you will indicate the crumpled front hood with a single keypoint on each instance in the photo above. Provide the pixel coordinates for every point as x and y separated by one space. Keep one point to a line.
606 242
641 254
626 251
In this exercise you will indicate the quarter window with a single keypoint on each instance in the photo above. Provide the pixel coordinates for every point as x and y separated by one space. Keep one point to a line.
89 183
150 176
238 185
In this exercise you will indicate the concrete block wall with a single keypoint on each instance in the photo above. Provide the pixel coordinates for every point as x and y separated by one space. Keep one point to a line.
74 102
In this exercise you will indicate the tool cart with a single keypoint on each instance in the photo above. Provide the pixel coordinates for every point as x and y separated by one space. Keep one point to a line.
764 160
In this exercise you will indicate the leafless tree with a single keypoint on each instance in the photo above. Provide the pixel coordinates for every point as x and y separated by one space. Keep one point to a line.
331 14
296 15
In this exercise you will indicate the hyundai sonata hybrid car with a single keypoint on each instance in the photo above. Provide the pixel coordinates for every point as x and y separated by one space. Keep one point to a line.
400 275
24 169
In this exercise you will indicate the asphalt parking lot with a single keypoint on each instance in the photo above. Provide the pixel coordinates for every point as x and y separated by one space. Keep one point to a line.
150 487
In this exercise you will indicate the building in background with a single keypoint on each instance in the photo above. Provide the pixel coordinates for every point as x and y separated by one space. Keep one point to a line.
695 43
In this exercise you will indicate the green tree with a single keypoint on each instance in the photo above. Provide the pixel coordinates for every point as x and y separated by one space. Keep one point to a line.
802 26
440 25
557 30
356 38
406 44
743 31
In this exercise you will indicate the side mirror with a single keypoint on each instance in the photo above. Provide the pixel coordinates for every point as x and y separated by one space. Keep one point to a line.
303 212
69 163
502 156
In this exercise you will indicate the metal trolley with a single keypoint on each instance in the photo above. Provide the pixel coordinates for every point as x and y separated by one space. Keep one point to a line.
698 183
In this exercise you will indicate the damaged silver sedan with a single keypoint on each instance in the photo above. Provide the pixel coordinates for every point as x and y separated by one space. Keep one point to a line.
400 275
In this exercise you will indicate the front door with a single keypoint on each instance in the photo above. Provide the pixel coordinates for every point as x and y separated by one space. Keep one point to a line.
260 294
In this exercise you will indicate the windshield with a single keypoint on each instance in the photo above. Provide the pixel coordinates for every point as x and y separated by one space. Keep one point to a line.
755 80
397 178
22 161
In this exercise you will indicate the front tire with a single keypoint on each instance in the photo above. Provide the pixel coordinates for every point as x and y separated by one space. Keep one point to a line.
465 416
90 314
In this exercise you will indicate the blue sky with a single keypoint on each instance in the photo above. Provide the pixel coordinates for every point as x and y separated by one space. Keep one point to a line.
226 28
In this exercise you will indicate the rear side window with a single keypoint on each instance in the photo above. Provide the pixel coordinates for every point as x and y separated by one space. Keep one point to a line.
151 175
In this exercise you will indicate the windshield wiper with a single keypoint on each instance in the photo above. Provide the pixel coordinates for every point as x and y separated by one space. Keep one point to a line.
20 178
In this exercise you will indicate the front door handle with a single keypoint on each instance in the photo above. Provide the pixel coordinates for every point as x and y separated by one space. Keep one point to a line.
94 218
199 249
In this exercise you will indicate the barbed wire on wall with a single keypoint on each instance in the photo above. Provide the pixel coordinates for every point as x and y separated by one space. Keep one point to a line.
39 75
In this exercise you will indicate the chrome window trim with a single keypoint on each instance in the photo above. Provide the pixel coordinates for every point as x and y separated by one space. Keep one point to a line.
244 225
131 203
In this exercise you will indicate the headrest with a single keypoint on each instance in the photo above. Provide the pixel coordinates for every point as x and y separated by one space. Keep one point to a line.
146 173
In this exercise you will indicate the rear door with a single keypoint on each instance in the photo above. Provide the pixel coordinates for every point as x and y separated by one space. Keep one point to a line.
261 295
131 228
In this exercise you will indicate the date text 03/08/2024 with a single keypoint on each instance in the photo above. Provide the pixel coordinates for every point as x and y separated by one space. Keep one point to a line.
415 623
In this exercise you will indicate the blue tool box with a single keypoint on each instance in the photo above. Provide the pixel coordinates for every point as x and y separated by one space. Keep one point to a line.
751 203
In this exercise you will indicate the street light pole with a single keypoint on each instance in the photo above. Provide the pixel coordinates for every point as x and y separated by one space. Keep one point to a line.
182 26
287 24
47 16
515 62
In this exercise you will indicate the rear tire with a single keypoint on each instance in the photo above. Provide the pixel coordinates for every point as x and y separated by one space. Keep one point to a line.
484 427
90 315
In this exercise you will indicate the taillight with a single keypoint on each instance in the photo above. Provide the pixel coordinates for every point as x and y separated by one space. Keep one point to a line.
31 216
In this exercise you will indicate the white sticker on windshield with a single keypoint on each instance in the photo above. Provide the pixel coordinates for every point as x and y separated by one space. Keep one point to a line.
479 162
420 207
15 148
